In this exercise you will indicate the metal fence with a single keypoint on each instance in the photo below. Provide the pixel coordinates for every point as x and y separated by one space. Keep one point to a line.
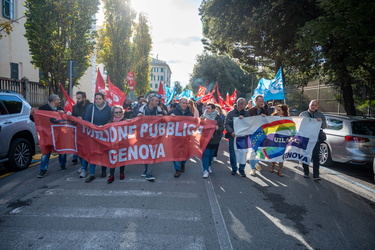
34 92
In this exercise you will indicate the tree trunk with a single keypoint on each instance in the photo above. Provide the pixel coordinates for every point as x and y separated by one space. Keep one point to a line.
347 93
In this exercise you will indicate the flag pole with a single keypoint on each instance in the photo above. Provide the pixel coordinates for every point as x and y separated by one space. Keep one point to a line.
282 77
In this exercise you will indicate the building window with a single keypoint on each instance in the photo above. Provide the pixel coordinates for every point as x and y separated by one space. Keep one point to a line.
161 69
14 71
161 78
158 78
156 85
8 9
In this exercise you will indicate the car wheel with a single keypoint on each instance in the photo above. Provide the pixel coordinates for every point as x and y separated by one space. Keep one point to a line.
19 155
325 155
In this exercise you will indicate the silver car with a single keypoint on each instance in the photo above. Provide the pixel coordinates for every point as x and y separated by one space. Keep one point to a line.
350 139
18 136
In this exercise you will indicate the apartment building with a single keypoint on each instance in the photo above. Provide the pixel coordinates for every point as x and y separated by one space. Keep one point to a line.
160 72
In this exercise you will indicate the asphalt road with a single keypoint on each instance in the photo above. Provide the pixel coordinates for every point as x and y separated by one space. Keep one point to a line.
266 211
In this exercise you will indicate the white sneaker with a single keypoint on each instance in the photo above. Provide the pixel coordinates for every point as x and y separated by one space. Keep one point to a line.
215 159
209 169
82 174
205 174
252 172
79 170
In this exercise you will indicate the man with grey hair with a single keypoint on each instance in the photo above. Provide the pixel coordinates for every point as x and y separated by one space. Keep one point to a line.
314 113
52 105
240 112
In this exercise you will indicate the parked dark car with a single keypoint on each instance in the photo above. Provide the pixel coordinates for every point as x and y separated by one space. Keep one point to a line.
350 139
17 132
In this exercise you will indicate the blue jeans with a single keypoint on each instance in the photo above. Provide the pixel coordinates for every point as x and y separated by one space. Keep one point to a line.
45 160
75 156
84 163
232 154
208 154
149 168
253 161
92 169
177 165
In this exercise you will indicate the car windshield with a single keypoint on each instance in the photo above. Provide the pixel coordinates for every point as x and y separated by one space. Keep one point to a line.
364 128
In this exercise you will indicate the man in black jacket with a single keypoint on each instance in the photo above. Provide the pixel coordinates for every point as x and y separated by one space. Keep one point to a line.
79 110
52 105
181 109
240 112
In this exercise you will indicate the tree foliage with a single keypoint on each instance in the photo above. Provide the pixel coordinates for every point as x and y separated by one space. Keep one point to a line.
210 69
5 28
115 40
58 31
324 39
178 87
142 45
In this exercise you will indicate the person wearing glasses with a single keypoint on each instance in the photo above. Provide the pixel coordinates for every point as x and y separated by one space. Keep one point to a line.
118 116
98 113
151 108
181 109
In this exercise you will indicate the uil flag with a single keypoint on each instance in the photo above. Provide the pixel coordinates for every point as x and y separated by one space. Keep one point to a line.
161 92
130 80
100 83
275 90
69 103
201 91
114 95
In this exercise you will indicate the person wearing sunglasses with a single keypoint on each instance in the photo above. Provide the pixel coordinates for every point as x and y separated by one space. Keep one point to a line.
118 116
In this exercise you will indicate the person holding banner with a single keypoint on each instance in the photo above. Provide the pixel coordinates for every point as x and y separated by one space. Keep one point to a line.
98 113
181 109
118 116
258 109
222 113
314 113
282 110
139 104
52 105
79 110
212 114
237 111
151 108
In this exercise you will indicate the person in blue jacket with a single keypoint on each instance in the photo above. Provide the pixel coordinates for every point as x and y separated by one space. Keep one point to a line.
98 113
181 109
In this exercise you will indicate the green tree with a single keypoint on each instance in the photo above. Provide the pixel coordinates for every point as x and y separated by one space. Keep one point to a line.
178 87
210 69
142 45
115 40
341 44
58 31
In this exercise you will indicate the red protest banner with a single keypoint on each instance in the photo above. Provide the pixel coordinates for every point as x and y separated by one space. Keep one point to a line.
142 140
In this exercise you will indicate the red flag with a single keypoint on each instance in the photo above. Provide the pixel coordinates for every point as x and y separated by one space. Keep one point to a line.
69 102
221 100
201 91
227 98
233 97
208 97
161 92
130 80
100 83
114 95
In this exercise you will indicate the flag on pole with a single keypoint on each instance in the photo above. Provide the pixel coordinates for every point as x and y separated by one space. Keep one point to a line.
130 80
114 95
221 100
169 95
208 98
201 91
161 92
233 98
69 102
100 83
271 89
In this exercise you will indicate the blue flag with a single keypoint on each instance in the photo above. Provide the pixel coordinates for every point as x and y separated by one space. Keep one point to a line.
271 89
169 94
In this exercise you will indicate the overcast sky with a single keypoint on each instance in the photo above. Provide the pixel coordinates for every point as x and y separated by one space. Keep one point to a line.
176 32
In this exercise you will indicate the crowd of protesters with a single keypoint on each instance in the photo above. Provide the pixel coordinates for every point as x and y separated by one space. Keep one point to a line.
100 113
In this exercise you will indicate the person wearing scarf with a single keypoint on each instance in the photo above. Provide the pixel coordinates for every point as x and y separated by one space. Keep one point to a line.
208 154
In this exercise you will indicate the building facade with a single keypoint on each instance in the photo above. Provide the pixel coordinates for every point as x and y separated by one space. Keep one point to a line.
160 72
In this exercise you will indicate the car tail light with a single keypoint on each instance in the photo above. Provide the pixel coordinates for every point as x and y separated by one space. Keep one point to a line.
356 138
